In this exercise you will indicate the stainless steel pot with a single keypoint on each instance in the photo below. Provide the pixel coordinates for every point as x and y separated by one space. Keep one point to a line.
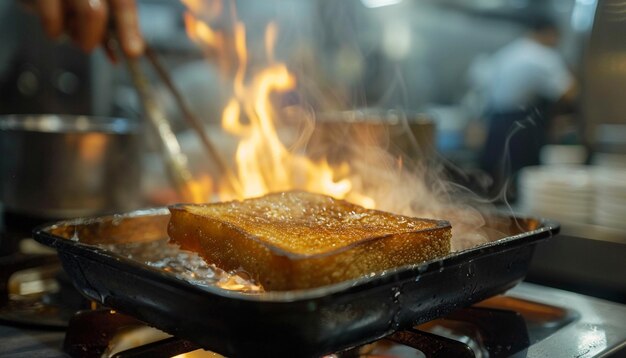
58 166
341 135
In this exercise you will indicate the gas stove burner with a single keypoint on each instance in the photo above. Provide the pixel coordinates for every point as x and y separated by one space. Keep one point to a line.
531 321
497 327
33 290
94 333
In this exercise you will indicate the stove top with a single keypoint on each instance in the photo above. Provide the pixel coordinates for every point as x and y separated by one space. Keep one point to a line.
598 329
558 323
529 321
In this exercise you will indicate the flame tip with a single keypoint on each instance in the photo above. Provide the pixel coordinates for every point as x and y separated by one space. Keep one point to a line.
263 162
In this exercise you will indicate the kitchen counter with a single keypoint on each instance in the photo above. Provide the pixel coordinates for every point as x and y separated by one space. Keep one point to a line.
24 342
593 266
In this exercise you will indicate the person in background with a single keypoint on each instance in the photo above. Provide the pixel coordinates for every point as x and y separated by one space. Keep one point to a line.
521 84
87 21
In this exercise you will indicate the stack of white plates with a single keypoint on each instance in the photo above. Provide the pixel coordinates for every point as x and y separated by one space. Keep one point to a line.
610 206
564 193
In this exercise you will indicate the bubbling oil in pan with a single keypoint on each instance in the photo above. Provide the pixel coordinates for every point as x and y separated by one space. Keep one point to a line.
185 265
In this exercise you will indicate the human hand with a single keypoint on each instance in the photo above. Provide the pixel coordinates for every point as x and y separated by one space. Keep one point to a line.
86 22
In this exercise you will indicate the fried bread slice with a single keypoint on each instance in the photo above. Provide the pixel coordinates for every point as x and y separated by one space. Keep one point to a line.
299 240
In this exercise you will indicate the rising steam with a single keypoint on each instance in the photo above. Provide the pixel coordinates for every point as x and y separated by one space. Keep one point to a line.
291 136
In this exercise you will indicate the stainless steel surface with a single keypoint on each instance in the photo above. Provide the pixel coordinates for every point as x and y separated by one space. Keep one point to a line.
403 133
604 75
557 263
57 166
599 329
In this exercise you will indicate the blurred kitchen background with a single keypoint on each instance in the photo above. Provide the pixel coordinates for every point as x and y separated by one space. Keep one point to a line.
413 55
409 55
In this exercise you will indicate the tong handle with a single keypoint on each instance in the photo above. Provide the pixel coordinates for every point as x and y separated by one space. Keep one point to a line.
174 159
193 121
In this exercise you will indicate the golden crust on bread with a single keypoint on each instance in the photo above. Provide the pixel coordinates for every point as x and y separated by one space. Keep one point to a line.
297 240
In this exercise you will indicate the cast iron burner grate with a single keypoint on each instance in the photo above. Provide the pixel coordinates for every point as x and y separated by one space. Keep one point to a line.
467 332
13 229
44 309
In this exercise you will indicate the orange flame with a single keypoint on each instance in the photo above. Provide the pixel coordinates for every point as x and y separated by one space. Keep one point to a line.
208 8
195 6
263 162
200 188
200 31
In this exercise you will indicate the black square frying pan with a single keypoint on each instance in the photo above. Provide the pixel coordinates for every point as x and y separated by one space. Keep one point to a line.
302 323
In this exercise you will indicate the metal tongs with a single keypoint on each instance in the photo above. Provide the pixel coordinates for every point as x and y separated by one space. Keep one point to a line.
174 158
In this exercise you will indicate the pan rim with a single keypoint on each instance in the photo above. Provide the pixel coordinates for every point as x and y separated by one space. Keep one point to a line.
547 228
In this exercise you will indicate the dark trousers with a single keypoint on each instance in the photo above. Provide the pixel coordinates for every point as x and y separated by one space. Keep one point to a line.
514 140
